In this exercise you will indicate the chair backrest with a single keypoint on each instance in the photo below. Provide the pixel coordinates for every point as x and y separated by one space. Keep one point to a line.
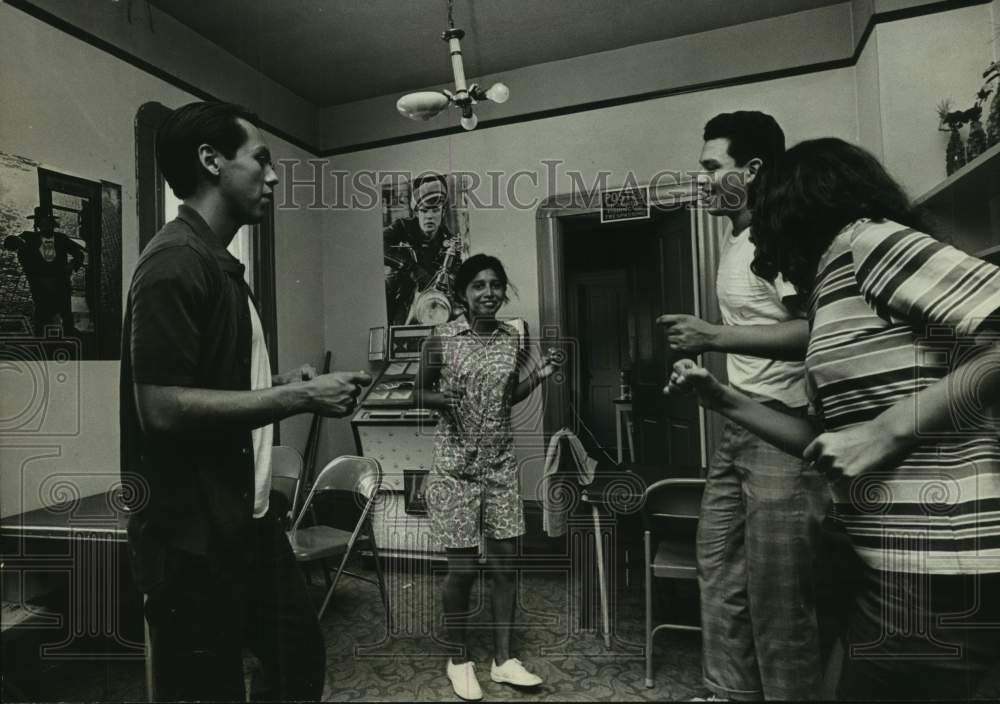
674 498
286 473
673 505
359 478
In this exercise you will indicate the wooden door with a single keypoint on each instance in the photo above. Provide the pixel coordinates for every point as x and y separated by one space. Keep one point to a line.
602 312
668 429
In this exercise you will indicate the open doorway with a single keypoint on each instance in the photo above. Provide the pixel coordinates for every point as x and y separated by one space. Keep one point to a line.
618 277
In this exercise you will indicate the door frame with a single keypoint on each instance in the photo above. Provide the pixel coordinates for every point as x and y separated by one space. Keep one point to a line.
550 225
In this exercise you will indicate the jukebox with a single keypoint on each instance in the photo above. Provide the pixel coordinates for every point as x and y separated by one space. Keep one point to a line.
391 429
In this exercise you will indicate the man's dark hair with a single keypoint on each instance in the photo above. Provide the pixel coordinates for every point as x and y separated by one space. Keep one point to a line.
814 191
751 134
190 126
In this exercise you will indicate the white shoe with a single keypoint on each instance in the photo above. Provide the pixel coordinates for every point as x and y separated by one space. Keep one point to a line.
513 672
464 681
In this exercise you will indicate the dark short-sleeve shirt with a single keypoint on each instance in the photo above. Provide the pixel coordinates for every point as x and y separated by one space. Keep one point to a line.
187 323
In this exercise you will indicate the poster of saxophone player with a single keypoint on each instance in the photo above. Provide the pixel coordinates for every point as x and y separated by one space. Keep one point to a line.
425 236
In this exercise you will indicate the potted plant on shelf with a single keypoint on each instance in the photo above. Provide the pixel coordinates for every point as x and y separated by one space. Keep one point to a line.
952 121
975 144
992 73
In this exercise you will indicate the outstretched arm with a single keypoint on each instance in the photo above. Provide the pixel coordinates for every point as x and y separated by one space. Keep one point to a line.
172 409
785 432
938 410
689 334
550 364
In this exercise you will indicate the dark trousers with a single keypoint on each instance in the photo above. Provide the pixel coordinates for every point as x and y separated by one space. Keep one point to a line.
918 636
200 619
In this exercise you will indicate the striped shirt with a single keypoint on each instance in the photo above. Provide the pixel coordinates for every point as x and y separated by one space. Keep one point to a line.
893 311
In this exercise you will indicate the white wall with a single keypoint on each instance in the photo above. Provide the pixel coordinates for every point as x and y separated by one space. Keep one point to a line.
920 62
869 98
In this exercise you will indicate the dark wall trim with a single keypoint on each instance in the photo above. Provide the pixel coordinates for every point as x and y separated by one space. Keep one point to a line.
149 201
876 19
62 25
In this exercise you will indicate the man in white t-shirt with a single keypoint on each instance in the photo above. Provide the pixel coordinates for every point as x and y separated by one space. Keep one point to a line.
762 509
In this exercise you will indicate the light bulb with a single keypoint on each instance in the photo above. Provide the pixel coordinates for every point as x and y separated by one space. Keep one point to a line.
470 122
498 93
423 105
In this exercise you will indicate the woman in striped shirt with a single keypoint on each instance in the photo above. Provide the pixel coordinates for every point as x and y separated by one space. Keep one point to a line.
902 368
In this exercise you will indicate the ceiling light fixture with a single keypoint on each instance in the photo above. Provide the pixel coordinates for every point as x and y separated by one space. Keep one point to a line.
426 104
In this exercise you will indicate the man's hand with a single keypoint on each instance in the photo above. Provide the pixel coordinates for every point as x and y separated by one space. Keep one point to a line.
688 377
688 334
304 372
845 454
336 394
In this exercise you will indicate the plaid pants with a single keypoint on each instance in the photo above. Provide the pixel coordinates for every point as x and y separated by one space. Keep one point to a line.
758 536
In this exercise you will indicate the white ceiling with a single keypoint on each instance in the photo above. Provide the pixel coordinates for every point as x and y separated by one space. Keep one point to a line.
338 51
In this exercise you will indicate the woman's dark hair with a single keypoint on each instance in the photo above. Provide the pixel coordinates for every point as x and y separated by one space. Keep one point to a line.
190 126
471 267
814 191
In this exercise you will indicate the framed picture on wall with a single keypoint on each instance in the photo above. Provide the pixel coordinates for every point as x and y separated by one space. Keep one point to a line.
60 266
425 237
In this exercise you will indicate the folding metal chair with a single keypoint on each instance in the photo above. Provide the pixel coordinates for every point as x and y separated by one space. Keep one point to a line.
670 516
286 477
353 482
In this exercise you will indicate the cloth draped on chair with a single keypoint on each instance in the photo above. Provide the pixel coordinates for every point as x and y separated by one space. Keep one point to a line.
566 459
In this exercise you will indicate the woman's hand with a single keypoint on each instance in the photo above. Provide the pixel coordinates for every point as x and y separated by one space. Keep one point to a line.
551 362
845 454
452 395
688 377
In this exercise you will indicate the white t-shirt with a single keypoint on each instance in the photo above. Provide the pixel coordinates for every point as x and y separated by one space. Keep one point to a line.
747 299
260 378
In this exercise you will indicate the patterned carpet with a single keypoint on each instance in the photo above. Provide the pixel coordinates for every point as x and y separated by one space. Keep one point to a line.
363 665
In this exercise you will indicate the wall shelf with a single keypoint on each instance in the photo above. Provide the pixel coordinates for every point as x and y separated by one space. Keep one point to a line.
968 203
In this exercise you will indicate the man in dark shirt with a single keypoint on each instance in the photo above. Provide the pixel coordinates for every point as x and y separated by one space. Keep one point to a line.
416 250
48 259
197 403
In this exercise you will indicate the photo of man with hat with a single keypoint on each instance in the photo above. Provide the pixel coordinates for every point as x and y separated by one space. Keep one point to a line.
416 248
48 259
